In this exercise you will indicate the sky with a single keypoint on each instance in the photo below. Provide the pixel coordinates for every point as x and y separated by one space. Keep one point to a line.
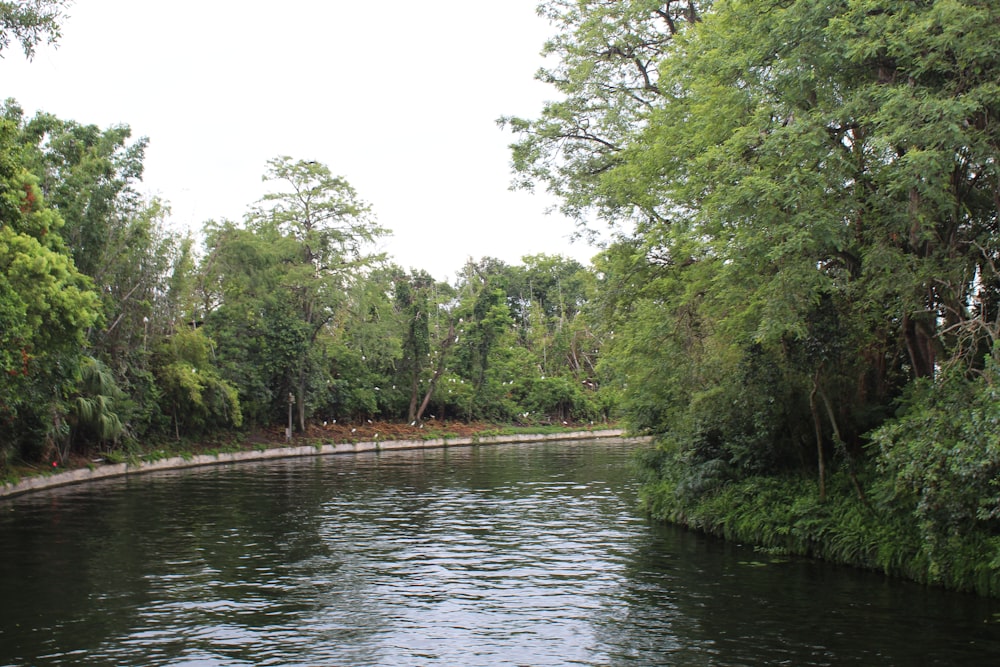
399 98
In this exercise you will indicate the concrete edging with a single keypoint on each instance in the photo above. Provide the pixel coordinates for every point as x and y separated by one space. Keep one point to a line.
82 475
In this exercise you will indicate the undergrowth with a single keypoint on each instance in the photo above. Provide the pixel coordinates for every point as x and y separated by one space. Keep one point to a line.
783 515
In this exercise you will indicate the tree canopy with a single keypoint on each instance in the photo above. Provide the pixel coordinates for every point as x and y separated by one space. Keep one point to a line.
801 285
806 198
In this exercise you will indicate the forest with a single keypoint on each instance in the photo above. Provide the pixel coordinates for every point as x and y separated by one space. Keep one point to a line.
803 289
118 333
799 297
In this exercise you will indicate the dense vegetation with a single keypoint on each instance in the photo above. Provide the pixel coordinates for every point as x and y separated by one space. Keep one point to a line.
803 287
116 332
800 295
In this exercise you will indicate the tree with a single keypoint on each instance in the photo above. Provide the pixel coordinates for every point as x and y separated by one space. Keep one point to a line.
246 310
333 228
117 237
89 175
412 295
196 397
607 58
47 306
813 190
274 286
30 22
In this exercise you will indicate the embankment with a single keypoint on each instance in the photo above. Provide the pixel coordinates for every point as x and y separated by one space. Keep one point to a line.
105 471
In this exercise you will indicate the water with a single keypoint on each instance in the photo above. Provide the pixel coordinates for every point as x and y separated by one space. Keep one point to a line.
494 555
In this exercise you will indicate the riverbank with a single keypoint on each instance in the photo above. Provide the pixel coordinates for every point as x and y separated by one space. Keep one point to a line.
783 516
263 446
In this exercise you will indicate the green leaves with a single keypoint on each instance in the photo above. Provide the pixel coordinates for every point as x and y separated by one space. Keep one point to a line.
197 398
30 22
941 456
321 211
276 286
46 306
806 205
607 80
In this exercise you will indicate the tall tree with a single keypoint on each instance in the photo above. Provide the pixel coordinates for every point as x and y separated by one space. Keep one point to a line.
607 57
117 237
412 294
813 192
320 233
245 306
46 305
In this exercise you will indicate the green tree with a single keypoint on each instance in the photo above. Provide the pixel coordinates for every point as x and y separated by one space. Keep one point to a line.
29 23
606 71
812 193
413 300
334 230
244 304
272 289
47 306
368 345
197 398
117 238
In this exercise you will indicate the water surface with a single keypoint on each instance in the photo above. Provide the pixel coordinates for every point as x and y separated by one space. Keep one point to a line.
526 554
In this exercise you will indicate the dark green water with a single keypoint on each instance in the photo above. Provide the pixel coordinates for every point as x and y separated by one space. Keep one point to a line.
494 555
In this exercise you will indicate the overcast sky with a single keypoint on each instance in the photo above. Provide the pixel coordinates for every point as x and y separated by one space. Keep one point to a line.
400 98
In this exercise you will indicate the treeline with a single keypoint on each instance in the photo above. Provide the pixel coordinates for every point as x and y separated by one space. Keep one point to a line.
117 332
804 290
801 297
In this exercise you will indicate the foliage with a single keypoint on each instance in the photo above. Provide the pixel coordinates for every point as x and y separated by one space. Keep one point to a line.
328 230
95 406
30 22
804 196
196 397
47 306
119 240
781 514
941 457
812 196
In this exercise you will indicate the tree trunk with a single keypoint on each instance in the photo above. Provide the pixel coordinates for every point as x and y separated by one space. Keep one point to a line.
817 424
919 346
411 413
301 397
838 440
447 343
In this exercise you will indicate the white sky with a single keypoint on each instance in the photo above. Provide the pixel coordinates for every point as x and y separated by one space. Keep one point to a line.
400 98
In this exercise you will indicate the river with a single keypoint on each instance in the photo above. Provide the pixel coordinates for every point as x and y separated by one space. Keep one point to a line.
524 554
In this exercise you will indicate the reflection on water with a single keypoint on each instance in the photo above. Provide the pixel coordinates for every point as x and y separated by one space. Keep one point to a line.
493 555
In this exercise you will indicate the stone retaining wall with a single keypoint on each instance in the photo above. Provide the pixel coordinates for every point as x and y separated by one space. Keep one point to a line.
119 469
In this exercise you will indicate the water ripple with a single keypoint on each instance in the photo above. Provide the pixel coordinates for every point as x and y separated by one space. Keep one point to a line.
508 555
